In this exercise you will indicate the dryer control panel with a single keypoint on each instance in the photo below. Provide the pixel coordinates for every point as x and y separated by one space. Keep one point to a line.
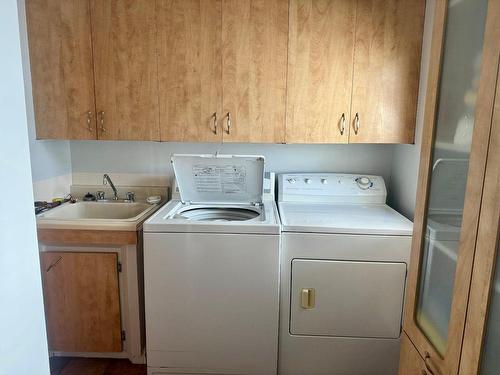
331 188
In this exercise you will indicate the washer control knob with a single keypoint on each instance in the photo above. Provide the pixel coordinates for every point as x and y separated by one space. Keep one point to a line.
291 180
324 181
364 182
307 180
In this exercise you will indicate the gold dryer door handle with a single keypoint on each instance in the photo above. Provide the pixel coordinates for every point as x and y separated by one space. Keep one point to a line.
308 298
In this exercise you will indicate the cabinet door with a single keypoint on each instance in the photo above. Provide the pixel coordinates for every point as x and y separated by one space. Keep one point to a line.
410 362
320 57
61 68
254 55
82 302
386 70
482 330
490 365
189 66
457 128
126 71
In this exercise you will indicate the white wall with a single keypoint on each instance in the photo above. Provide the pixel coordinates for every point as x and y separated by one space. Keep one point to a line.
50 159
23 345
406 158
91 159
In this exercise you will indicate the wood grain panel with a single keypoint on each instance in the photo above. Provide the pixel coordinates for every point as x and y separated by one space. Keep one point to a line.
86 237
126 71
482 285
320 68
82 301
410 362
190 69
449 363
61 68
386 70
254 61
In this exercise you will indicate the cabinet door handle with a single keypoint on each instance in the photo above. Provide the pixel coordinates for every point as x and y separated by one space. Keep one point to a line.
307 298
89 121
215 122
356 123
342 124
228 130
53 264
101 116
427 358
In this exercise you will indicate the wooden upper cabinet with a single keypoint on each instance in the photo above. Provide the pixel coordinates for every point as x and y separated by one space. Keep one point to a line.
62 78
82 301
320 64
254 61
260 71
126 71
386 70
189 65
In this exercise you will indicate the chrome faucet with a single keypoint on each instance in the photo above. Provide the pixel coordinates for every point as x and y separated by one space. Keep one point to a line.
107 180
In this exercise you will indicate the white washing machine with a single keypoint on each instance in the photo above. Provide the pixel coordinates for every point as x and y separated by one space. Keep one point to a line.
211 264
344 261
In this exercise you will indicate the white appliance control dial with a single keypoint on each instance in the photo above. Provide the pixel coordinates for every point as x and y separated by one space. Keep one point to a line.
324 181
291 180
364 182
307 180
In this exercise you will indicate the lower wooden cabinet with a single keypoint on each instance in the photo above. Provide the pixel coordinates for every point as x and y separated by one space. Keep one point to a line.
82 301
410 363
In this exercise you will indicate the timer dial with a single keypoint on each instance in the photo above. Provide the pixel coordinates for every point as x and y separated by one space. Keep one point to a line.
364 183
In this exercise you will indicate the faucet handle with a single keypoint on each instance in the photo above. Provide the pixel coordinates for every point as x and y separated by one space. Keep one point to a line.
130 196
100 195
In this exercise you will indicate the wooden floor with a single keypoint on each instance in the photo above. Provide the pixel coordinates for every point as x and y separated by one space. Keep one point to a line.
94 366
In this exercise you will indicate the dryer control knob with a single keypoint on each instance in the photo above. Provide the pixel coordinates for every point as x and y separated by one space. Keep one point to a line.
307 180
291 180
324 181
364 182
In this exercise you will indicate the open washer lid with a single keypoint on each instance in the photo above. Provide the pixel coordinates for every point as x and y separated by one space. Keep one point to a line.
219 179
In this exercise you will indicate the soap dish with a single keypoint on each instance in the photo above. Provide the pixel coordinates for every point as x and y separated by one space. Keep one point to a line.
153 199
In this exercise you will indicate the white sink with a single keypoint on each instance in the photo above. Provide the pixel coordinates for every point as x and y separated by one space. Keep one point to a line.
97 210
96 215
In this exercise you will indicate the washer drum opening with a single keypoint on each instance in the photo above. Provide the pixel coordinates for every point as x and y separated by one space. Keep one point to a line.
217 214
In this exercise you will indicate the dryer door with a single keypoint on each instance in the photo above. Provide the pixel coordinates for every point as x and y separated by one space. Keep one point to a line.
347 298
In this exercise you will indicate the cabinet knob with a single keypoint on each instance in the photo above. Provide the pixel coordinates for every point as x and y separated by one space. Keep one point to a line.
89 121
342 124
356 123
101 116
228 130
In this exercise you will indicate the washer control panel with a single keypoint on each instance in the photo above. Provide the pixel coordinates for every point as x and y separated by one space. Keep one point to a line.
331 187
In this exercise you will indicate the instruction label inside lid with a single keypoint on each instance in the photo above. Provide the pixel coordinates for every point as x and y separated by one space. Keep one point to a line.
219 178
225 179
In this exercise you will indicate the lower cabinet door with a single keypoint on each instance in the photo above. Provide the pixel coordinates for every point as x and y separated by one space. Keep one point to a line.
82 301
410 362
